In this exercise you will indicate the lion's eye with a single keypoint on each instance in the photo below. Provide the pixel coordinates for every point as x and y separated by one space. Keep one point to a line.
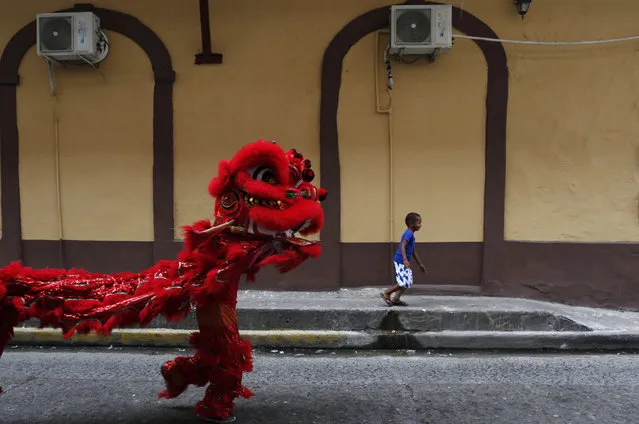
264 174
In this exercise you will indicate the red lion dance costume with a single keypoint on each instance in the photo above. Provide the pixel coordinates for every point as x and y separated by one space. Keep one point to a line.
263 197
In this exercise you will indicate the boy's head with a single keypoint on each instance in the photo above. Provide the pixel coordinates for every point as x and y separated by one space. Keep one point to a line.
413 221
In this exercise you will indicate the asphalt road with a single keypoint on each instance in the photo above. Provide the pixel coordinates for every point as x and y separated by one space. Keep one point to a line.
120 386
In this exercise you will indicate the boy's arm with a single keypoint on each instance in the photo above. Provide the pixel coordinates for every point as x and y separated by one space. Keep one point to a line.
402 247
419 262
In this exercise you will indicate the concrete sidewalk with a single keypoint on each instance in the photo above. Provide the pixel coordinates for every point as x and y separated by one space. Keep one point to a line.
359 319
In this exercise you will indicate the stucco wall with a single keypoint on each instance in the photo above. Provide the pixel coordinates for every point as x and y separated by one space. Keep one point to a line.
573 130
436 137
105 148
264 89
572 121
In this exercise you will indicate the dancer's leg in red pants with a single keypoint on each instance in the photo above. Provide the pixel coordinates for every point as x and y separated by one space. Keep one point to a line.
221 357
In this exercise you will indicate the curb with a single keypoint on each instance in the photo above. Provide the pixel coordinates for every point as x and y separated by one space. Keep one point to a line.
180 338
530 340
311 339
381 319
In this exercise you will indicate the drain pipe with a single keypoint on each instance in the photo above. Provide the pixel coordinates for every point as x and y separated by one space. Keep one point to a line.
388 110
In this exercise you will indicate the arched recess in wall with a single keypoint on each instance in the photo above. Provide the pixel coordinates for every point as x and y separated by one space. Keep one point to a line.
98 256
496 117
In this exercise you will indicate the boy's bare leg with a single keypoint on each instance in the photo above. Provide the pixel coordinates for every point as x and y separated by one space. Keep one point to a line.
392 290
386 294
398 294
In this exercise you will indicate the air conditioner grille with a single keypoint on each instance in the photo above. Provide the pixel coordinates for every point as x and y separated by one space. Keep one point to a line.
56 34
413 26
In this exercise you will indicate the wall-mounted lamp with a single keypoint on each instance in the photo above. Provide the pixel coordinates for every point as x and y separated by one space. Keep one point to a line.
522 6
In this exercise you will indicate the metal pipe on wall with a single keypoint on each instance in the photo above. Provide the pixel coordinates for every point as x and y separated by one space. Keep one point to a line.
56 140
388 110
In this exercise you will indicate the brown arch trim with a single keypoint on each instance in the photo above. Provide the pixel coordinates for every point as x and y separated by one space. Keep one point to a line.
496 117
163 170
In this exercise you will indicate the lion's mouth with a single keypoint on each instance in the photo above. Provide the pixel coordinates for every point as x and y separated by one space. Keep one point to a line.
289 235
276 246
264 251
275 211
256 201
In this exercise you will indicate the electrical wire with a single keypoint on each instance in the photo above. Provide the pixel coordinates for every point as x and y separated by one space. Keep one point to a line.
103 45
388 68
104 42
51 83
548 43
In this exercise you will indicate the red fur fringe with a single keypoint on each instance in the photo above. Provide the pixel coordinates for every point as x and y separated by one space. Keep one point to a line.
260 189
263 153
259 153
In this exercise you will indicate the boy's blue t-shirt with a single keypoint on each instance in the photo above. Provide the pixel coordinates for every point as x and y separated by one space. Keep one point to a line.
410 246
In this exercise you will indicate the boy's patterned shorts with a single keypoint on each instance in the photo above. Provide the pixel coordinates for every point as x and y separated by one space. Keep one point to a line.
403 275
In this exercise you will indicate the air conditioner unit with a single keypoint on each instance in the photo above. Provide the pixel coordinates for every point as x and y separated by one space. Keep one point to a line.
73 36
420 29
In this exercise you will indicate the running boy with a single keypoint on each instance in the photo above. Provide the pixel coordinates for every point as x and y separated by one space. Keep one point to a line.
406 250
